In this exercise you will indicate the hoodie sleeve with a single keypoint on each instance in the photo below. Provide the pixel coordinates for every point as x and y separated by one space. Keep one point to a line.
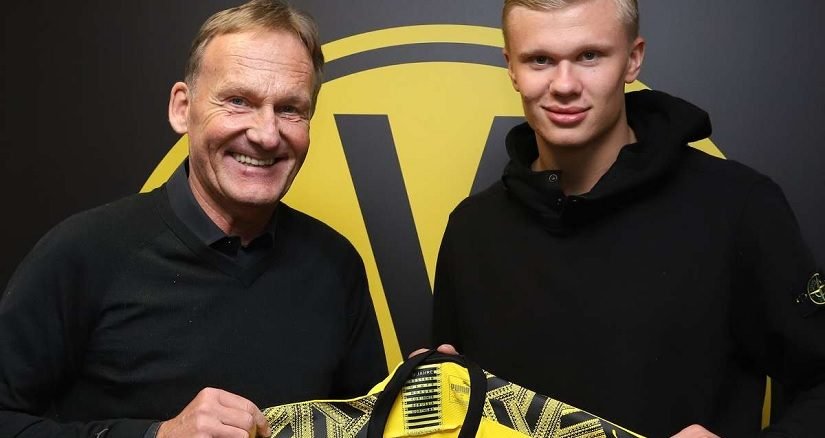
444 330
778 325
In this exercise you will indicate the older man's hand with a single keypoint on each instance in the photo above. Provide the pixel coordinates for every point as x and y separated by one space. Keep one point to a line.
216 413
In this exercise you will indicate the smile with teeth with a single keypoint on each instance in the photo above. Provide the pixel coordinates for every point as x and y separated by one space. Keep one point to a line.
249 161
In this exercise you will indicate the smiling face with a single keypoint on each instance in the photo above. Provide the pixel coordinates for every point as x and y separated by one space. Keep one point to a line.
570 66
247 115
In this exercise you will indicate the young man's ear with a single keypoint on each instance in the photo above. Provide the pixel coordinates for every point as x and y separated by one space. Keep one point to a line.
179 100
637 56
510 69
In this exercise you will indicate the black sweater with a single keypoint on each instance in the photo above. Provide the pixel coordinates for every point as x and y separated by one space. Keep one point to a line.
120 315
660 299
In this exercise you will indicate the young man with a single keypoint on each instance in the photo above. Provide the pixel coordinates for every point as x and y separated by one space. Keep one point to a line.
618 269
177 312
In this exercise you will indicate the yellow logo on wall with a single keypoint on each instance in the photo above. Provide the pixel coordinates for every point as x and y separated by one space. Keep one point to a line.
395 146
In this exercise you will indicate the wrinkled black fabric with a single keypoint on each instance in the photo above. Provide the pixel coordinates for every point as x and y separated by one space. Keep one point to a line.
660 299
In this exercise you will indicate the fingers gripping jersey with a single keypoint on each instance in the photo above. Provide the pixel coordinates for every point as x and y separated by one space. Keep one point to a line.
434 401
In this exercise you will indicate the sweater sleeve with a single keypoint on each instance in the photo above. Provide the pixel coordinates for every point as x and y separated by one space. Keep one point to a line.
779 328
45 319
364 364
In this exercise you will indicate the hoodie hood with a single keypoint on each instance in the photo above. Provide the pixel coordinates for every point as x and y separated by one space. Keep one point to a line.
663 124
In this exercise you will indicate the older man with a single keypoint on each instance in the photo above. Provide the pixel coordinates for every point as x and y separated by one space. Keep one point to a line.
616 268
177 312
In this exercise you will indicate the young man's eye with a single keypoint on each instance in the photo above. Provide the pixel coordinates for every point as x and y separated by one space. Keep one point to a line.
541 60
590 56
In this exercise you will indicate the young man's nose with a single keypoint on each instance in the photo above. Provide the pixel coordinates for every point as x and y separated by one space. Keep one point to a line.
565 80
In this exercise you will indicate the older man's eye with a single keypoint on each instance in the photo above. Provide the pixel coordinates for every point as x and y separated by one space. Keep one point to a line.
292 112
237 101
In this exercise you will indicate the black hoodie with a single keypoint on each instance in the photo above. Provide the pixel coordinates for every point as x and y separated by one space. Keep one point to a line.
662 133
660 299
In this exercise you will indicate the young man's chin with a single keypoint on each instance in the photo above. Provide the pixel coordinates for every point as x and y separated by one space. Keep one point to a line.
567 138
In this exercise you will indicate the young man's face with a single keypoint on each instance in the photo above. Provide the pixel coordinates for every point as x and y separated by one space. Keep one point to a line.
570 66
247 117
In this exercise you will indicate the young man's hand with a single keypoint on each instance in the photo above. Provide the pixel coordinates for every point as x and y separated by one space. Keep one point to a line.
695 431
443 348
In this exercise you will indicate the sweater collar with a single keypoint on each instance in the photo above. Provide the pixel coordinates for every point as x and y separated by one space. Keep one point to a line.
187 209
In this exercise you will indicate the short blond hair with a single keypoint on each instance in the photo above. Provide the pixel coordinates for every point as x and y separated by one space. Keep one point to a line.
259 14
628 12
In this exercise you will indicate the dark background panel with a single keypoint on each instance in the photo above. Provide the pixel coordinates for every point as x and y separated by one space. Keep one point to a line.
84 107
85 89
757 68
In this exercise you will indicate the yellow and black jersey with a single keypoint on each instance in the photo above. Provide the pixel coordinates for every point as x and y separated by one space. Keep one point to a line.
435 395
